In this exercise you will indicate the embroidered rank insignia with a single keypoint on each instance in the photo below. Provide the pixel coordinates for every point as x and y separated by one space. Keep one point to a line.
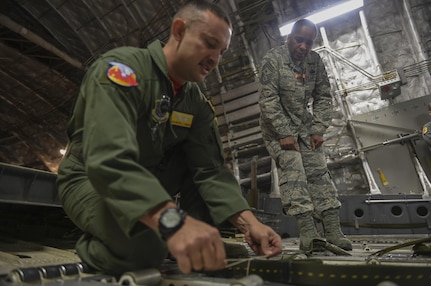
121 74
160 112
181 119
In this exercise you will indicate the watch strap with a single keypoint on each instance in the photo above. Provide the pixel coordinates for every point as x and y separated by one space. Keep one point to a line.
165 231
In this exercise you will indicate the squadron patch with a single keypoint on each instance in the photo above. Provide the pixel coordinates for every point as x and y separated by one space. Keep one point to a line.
121 74
267 73
160 112
424 130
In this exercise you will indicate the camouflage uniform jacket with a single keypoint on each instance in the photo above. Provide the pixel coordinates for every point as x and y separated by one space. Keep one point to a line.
286 96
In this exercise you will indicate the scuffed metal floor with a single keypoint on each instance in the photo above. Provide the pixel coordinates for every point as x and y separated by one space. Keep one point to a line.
37 247
46 265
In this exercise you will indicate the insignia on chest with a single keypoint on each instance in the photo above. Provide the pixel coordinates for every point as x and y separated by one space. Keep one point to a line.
160 112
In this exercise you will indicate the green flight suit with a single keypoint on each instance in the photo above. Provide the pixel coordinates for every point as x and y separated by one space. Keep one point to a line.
127 154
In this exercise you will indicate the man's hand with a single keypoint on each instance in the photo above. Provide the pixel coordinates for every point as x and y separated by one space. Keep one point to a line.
289 143
197 246
262 239
316 141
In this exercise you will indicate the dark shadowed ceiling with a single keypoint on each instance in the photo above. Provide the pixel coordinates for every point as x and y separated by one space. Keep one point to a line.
46 46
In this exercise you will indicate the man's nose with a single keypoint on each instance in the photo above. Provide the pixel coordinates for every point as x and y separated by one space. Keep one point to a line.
303 45
216 57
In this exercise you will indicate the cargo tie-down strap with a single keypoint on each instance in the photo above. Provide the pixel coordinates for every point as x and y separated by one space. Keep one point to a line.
291 269
420 247
370 271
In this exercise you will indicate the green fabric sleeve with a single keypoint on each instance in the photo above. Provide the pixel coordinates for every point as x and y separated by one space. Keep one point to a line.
111 151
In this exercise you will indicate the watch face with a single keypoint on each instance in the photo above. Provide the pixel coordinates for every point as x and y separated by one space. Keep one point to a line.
171 219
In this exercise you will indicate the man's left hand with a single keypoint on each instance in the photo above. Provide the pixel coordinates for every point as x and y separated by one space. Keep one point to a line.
263 240
316 141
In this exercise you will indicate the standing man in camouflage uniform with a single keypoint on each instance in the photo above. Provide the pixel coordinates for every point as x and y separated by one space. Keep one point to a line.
142 132
296 110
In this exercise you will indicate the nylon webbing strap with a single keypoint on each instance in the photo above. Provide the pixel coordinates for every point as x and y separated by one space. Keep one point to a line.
402 245
314 272
268 270
385 225
318 244
319 274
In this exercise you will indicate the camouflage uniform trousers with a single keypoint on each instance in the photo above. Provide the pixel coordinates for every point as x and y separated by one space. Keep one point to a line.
304 179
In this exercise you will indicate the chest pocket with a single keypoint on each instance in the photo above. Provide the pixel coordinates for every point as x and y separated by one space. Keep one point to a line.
310 82
291 90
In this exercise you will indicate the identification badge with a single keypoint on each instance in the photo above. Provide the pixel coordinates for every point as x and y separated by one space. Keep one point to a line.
181 119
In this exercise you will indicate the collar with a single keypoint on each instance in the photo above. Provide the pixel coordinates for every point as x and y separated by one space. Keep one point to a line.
177 85
156 51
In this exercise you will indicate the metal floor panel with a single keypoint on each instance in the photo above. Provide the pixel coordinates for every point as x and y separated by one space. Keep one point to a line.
23 254
18 254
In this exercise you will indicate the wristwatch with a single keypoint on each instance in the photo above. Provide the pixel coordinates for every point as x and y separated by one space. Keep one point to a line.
171 220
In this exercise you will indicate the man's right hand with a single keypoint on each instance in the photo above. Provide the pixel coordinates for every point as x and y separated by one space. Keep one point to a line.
197 246
289 143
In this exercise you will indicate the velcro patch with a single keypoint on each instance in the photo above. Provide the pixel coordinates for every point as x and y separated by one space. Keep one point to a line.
121 74
181 119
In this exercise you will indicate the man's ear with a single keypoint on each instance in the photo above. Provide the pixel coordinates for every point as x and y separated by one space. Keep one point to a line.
178 29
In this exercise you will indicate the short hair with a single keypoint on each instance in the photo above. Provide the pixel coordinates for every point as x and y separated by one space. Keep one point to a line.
188 11
304 22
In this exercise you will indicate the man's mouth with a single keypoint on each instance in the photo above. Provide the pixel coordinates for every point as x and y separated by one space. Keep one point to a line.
205 69
300 54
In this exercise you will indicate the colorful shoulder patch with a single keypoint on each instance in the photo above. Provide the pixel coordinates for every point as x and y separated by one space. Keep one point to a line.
121 74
